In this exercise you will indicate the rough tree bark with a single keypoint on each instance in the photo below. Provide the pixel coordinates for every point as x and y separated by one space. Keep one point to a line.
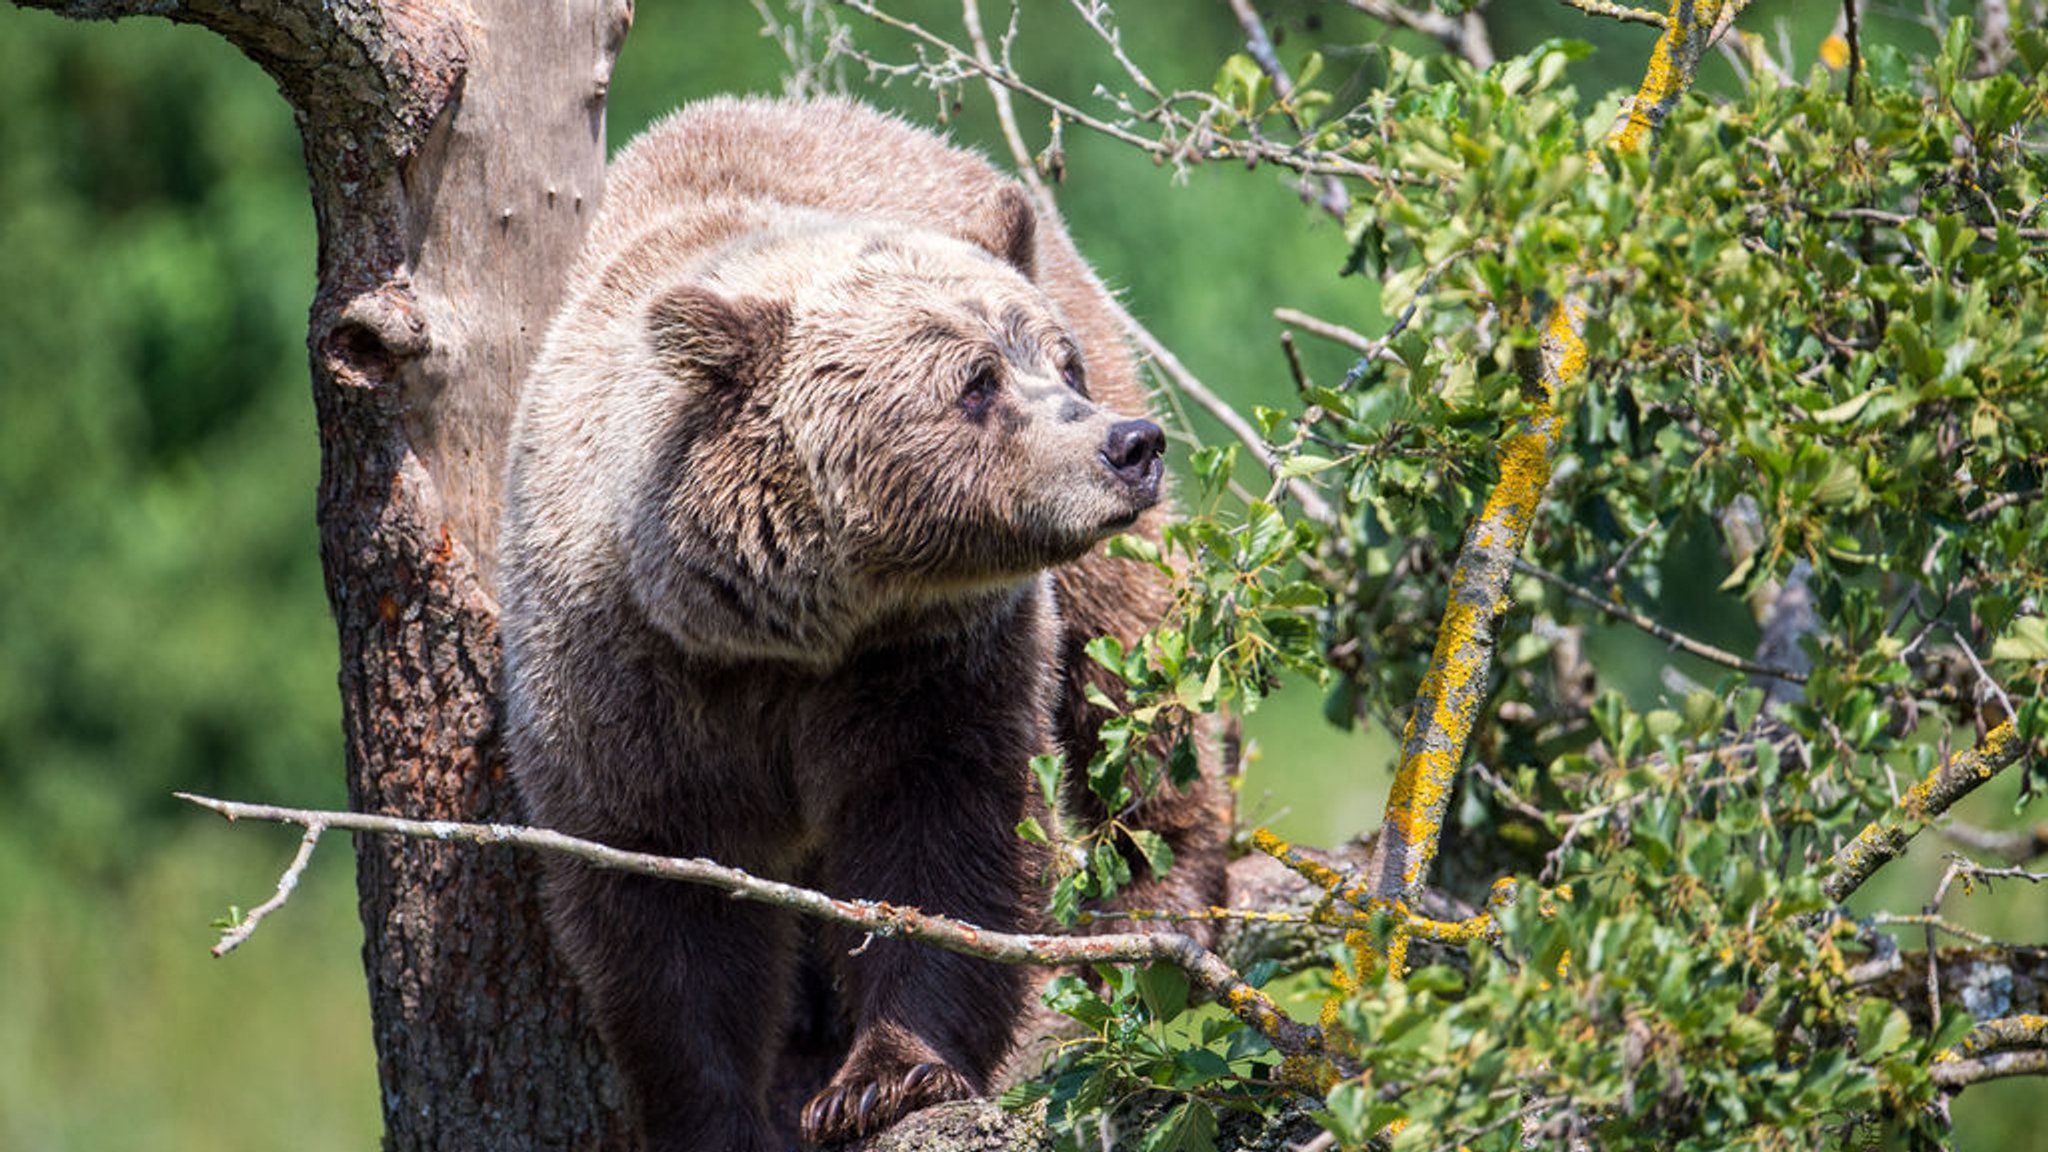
456 153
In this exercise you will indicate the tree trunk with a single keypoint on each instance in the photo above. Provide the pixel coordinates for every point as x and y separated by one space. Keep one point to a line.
456 154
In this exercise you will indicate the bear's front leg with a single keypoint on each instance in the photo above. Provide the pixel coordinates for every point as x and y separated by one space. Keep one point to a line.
690 989
928 821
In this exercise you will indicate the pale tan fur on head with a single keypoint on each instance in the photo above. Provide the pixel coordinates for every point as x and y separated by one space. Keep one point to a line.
812 426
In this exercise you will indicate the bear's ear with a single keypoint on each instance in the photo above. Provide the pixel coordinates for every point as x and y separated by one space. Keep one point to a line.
1009 229
732 341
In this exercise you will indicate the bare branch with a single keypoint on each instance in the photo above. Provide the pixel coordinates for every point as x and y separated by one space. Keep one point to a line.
1997 1066
1312 504
2019 845
1884 839
1467 37
1202 143
2003 500
880 918
1670 636
1336 333
1333 199
1006 109
1621 12
232 937
1096 14
1986 686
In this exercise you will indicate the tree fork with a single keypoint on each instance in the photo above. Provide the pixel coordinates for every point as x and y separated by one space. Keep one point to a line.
456 155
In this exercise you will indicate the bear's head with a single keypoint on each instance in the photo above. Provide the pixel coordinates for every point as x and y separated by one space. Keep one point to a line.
870 412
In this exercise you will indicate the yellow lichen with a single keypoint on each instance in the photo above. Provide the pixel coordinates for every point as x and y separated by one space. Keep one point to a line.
1664 80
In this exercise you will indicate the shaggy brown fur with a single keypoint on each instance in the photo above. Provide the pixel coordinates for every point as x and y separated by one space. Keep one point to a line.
824 406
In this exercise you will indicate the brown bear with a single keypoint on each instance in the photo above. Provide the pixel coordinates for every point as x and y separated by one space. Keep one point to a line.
799 555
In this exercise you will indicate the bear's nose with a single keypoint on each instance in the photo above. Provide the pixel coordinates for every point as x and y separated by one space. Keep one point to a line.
1133 450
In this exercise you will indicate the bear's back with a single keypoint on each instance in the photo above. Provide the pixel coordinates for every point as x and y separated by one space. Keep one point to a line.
829 155
843 158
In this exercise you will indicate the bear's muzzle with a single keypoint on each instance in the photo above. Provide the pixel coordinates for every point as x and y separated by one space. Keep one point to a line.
1135 450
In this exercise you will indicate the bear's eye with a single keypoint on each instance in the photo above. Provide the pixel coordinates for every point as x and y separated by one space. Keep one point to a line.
1073 375
980 391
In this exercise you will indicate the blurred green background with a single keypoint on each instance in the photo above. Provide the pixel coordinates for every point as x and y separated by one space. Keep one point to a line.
162 621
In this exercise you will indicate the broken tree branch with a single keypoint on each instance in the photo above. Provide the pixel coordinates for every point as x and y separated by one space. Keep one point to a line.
1204 968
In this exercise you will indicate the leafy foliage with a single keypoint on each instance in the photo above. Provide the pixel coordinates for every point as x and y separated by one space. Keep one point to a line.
1817 365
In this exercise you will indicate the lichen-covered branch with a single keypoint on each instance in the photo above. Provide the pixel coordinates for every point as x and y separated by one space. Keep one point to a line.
1460 669
1204 968
1689 30
2010 1046
1884 839
1625 13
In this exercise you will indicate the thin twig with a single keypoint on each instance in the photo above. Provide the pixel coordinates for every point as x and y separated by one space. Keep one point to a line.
1332 198
1207 147
1466 37
1932 921
1621 12
2019 845
1203 967
1093 12
232 937
1671 636
1006 110
1986 685
2000 503
1313 506
1336 333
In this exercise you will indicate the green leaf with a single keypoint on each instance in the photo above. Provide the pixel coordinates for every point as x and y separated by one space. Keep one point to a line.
1031 831
2025 640
1303 465
1048 767
1164 990
1880 1029
1157 852
1194 1067
1189 1127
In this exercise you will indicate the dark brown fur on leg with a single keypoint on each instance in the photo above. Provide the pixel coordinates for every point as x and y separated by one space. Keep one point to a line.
933 831
689 991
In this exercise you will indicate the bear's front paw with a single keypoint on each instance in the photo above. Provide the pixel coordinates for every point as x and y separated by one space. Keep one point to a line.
861 1101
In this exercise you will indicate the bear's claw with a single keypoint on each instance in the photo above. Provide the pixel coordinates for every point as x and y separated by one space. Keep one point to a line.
865 1102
